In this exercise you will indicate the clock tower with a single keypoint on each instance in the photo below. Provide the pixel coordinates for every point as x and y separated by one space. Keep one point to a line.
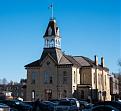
52 42
52 37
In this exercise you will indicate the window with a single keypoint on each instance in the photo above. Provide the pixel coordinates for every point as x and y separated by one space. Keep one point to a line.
64 77
102 79
105 79
47 78
64 93
33 77
82 94
52 43
48 94
51 80
47 43
58 42
116 84
33 95
74 77
95 79
99 79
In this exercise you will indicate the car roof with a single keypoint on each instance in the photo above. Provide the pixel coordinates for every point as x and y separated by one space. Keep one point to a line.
106 106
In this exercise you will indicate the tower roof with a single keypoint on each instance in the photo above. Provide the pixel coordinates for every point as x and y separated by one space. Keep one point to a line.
52 28
55 53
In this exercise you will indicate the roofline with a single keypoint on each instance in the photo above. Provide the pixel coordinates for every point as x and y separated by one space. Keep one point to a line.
99 66
70 61
31 63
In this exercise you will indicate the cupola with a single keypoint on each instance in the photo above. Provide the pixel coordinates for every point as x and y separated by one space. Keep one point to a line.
52 35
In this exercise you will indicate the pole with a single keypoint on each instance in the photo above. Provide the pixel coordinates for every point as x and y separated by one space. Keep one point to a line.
51 7
52 11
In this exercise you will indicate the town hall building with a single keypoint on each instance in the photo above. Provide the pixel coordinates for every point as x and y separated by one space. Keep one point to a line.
57 75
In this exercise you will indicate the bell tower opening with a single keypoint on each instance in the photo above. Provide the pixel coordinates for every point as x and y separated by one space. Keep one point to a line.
52 35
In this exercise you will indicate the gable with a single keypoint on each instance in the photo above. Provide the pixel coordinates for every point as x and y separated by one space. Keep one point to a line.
55 53
47 61
64 61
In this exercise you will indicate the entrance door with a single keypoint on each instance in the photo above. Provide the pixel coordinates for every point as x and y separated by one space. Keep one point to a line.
48 94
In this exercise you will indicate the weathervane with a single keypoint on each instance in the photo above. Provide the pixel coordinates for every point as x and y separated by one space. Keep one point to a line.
51 7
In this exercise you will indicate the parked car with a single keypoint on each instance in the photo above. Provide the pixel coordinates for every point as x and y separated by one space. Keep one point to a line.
67 105
40 106
4 107
13 109
74 101
115 104
84 105
18 105
29 102
56 101
103 108
51 106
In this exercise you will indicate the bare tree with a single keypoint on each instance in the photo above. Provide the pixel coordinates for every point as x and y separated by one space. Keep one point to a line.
4 81
119 62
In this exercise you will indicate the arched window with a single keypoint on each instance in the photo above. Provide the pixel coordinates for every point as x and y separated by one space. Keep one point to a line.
74 77
48 94
33 77
65 77
105 79
64 93
33 95
47 42
52 43
58 42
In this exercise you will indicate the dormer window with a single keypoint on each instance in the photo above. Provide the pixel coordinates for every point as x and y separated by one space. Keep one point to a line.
49 31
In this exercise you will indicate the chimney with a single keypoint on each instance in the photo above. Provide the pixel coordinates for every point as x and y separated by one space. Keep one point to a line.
96 60
102 61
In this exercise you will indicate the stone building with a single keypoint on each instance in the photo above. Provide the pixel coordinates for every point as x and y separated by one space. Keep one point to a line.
57 75
94 80
114 87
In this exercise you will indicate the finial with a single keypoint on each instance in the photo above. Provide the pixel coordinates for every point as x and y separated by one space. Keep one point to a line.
51 7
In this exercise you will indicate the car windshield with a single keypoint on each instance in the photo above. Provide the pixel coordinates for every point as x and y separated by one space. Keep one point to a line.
65 103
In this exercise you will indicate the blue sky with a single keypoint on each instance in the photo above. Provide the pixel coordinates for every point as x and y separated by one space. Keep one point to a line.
88 28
